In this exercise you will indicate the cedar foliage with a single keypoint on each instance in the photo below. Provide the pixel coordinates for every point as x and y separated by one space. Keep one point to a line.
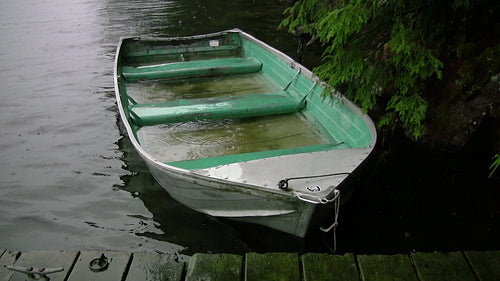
396 50
494 166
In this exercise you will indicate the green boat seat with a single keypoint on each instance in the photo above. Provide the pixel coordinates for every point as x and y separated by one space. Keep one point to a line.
240 106
188 69
204 163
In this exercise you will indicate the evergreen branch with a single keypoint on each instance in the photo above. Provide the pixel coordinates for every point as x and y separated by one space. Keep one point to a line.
494 165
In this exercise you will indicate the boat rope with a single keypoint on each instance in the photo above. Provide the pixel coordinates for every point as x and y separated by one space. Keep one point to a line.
283 184
336 210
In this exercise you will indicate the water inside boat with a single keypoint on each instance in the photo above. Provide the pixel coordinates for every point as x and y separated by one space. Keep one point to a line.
211 138
200 139
156 91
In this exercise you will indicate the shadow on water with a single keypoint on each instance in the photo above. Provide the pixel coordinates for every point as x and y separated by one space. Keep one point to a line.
413 198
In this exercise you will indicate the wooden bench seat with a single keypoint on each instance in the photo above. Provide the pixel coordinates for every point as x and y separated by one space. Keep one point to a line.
176 70
240 106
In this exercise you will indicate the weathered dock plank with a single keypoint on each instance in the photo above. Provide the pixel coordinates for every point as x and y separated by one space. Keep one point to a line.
442 266
123 266
7 258
155 267
386 268
220 267
116 269
326 267
486 264
272 267
45 259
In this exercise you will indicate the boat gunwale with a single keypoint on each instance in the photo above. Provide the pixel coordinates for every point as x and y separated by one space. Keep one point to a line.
192 173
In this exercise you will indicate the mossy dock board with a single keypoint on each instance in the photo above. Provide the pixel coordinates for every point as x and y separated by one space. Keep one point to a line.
485 264
223 267
463 266
326 267
272 267
436 266
386 268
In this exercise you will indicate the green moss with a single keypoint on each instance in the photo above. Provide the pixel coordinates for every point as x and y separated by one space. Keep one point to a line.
386 267
272 266
486 264
326 267
433 266
214 267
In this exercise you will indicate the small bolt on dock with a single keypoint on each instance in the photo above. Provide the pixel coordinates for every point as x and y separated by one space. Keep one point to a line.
124 266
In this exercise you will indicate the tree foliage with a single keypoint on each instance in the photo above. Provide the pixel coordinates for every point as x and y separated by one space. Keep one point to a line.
495 164
389 49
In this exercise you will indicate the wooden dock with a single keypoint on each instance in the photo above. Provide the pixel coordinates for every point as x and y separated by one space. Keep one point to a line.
123 266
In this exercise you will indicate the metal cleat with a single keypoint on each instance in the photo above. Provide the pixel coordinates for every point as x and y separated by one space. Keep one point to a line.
35 273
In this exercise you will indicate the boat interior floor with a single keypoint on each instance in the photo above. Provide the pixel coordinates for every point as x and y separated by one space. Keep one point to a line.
207 120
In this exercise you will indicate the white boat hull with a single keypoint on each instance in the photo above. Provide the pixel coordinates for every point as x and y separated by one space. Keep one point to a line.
237 202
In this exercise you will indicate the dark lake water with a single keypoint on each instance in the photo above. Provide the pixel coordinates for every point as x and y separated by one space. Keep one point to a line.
69 178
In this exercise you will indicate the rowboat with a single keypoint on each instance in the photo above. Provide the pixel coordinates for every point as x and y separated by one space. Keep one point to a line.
233 128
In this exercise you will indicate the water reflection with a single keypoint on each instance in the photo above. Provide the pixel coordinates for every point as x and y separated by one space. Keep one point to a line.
180 18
